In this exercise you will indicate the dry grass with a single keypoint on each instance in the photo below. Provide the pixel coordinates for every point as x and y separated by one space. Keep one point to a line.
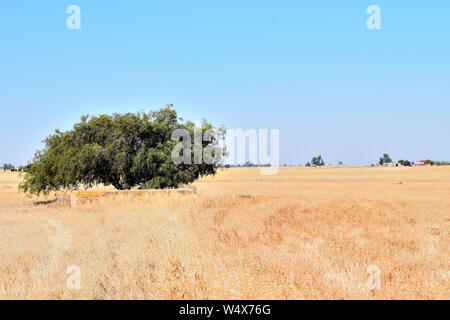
304 233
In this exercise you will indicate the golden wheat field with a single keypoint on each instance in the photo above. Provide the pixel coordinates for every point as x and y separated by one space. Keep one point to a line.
304 233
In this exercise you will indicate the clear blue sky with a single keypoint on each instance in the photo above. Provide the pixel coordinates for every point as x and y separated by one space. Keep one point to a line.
310 68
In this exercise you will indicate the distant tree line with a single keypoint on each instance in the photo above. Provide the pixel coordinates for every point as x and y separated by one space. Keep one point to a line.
246 165
437 163
318 161
10 167
387 160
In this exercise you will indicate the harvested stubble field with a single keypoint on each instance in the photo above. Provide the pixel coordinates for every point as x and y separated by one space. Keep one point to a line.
305 233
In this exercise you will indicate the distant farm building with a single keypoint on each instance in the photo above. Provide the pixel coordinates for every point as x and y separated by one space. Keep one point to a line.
422 162
389 164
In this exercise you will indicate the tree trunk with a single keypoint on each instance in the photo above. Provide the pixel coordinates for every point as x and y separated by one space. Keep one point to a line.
118 186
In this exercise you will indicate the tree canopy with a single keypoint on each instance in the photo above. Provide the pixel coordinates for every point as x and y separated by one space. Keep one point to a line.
385 159
317 161
123 150
405 163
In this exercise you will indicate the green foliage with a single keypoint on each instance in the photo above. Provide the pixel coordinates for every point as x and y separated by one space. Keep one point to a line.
308 164
317 161
405 163
123 150
437 163
442 163
385 159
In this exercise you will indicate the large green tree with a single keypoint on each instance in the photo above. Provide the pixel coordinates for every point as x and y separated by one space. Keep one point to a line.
123 150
